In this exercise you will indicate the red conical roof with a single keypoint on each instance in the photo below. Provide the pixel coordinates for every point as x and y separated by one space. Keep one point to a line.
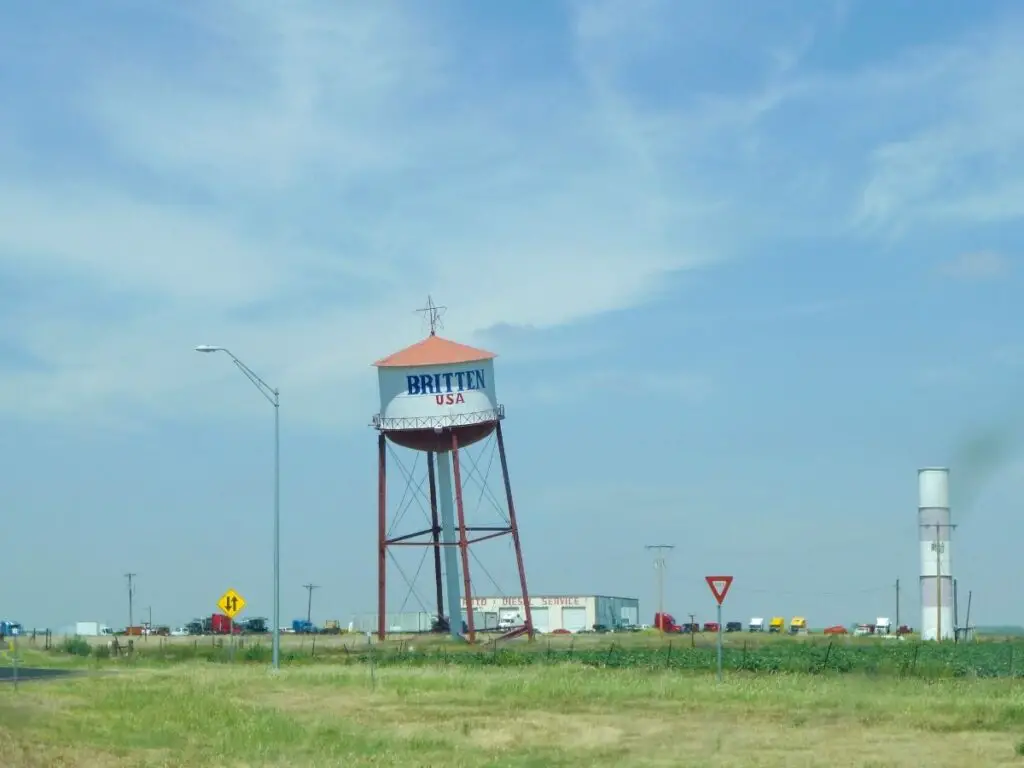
434 350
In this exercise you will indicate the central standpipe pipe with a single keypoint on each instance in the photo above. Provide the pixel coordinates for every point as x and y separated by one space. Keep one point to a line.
449 540
463 540
435 533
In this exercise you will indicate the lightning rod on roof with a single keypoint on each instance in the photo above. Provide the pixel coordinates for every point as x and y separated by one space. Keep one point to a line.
433 314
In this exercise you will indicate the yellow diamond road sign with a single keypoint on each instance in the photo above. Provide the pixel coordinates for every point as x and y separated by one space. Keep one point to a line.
231 603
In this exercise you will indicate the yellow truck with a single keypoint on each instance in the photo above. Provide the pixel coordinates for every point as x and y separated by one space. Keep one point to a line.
777 624
798 626
332 627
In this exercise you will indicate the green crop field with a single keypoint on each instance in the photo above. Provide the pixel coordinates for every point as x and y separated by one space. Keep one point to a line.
751 654
583 701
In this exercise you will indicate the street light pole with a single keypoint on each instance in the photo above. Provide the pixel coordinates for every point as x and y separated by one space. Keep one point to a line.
273 396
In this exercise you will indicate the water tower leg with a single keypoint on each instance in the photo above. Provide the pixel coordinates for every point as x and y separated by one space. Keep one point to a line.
463 539
515 533
435 533
448 542
382 535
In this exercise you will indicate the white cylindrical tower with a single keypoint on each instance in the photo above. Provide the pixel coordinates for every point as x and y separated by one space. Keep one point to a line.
936 565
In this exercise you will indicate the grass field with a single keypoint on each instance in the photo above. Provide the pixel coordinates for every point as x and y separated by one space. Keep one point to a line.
160 710
562 715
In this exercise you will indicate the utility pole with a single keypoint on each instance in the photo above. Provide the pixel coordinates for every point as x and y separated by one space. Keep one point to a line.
131 596
309 603
897 605
150 626
659 566
956 613
693 635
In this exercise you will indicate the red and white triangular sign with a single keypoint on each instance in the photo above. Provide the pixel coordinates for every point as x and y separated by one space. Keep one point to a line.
719 586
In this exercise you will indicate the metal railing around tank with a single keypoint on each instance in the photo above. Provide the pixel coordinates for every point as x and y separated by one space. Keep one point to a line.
432 422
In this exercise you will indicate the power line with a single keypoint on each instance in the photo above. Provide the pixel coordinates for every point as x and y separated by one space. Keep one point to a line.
805 593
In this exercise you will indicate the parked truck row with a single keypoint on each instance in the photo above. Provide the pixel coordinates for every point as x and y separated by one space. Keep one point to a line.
777 625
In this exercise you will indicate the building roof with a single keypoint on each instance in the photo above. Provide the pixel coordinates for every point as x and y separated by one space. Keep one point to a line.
434 350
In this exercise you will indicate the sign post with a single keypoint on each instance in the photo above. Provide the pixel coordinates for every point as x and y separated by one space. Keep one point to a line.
719 588
232 604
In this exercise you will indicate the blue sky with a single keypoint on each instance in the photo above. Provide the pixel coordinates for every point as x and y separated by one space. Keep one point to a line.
745 270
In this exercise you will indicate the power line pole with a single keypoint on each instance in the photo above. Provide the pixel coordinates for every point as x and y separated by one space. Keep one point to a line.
131 596
659 566
897 605
309 603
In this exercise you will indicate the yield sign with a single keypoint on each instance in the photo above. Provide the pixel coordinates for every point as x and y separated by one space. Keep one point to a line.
719 586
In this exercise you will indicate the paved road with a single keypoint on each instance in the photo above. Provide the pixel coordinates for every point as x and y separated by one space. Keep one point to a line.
32 673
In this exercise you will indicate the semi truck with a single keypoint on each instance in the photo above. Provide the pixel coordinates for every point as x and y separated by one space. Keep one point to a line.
666 623
777 624
257 625
223 625
757 624
91 629
798 626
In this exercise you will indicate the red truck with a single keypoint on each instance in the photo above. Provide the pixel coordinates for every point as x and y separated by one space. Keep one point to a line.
222 625
666 623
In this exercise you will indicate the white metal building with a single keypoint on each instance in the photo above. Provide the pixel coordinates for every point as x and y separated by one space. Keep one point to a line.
396 623
573 613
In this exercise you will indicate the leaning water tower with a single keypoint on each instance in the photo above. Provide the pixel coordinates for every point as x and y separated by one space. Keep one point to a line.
438 397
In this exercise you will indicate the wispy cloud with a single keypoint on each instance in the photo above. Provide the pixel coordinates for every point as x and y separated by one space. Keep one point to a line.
613 383
291 179
959 160
295 184
976 265
1009 354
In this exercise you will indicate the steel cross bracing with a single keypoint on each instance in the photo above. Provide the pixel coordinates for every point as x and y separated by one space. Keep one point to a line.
466 464
415 493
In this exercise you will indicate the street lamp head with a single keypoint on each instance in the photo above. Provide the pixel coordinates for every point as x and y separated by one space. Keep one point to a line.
208 348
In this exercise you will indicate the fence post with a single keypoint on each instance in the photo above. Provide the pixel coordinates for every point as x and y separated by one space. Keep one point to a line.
373 670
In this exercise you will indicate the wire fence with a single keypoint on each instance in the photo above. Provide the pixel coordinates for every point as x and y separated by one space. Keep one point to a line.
883 658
